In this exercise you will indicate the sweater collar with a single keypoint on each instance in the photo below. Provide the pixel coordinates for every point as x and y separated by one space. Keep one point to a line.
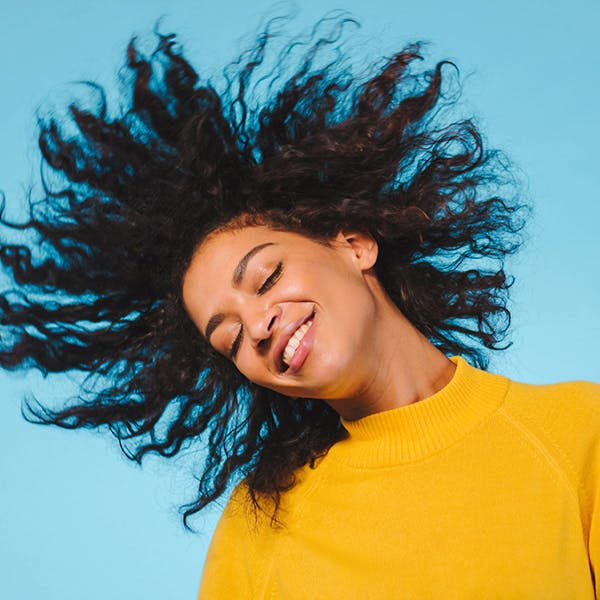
413 432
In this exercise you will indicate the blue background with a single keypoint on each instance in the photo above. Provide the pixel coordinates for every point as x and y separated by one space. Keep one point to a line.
78 521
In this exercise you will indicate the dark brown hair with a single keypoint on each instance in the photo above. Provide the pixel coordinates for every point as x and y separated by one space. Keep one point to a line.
98 283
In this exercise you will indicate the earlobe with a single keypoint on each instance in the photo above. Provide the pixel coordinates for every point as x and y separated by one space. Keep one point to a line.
364 247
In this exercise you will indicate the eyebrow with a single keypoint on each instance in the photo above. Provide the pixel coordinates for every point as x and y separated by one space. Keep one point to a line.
238 276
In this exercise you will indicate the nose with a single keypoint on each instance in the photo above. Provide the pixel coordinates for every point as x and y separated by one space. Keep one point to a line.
260 325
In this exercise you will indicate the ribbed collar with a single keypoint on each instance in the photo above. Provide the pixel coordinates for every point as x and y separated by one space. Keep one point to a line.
415 431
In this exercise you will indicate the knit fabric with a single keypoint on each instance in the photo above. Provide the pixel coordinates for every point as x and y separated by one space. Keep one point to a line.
487 489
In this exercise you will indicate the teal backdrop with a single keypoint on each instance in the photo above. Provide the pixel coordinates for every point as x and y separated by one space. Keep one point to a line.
77 520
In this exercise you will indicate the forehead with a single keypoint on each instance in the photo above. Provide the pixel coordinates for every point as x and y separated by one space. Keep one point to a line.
230 246
223 244
215 260
225 248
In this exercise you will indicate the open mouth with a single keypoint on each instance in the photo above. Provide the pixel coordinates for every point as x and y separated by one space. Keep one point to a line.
294 343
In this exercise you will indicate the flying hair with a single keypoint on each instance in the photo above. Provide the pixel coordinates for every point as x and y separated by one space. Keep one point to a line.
98 281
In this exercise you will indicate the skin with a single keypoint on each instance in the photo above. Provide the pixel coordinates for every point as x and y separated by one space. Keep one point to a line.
361 355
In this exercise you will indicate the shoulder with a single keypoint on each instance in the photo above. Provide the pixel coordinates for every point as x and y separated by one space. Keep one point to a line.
577 400
563 419
235 563
245 540
568 411
241 521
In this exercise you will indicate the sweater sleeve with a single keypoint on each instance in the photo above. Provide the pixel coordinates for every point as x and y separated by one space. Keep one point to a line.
593 485
580 436
594 543
234 565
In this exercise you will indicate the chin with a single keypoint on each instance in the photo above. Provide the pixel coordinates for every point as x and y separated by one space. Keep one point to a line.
332 385
318 378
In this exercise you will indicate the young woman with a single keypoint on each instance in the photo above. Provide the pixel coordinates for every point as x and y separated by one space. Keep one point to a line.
308 287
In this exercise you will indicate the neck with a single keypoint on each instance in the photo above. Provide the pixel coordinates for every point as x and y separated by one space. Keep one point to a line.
402 367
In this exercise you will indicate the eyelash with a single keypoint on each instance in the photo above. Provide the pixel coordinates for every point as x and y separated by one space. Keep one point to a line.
271 279
267 285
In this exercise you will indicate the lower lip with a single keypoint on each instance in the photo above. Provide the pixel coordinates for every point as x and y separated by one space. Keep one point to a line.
306 344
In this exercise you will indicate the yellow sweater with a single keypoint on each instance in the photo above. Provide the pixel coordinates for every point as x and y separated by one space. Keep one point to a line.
487 489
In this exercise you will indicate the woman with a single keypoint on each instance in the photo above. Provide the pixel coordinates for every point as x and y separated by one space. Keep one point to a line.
295 285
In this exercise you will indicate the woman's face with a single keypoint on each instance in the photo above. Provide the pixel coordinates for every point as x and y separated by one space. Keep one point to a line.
294 315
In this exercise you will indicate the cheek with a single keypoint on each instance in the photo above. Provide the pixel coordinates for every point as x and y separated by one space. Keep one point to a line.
351 302
251 368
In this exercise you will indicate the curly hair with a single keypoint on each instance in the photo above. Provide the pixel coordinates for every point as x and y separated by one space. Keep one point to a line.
98 284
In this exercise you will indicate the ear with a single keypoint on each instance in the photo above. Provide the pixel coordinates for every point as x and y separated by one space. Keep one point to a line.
363 246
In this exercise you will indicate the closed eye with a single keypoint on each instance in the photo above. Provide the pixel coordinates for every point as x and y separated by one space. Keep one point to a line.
236 344
271 279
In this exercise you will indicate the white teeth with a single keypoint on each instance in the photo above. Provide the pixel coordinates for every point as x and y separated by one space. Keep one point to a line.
294 342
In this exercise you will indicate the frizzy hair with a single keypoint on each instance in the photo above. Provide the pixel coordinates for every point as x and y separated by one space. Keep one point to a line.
98 287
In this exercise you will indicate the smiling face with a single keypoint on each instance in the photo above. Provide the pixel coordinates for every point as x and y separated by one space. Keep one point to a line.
293 314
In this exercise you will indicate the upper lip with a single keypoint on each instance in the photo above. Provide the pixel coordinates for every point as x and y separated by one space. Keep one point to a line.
284 338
